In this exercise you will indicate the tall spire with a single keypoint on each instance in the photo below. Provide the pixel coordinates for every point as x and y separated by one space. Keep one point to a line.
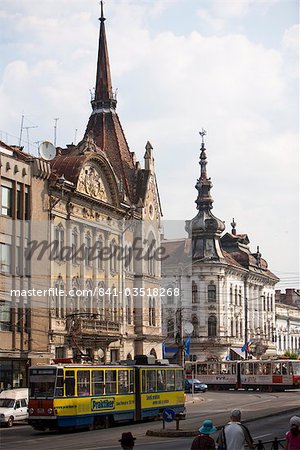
104 97
204 200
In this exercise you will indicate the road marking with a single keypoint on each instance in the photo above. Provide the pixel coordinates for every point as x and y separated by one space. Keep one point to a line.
136 445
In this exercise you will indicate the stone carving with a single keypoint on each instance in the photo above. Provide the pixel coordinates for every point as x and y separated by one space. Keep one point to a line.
90 183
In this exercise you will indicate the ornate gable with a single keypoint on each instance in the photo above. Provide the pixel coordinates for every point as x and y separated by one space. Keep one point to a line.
91 182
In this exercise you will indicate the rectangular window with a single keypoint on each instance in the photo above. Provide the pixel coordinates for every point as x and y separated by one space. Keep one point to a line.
5 316
59 388
83 383
97 382
19 202
170 380
6 199
151 381
123 381
70 383
161 380
179 380
110 381
27 203
5 258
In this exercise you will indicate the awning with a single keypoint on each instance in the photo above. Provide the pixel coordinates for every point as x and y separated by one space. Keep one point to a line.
236 353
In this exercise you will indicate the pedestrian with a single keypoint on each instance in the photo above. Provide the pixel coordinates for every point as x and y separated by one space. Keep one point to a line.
127 441
293 436
234 435
203 441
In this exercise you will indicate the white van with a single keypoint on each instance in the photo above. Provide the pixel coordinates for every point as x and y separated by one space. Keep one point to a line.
13 406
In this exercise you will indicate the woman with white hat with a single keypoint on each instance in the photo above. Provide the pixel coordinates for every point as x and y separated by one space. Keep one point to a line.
203 441
293 436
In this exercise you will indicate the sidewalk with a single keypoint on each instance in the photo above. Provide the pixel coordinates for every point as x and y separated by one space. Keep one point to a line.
189 427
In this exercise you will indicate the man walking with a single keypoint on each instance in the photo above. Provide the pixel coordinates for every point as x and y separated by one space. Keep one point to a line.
235 435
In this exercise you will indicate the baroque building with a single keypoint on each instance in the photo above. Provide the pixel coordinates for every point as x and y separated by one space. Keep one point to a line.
287 307
226 294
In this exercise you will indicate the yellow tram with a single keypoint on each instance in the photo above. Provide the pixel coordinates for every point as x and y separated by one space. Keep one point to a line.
70 396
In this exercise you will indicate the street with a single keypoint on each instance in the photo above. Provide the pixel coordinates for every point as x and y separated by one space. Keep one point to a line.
213 405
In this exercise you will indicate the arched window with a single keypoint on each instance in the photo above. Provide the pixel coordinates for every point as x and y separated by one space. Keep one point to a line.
74 245
89 296
59 297
150 254
195 323
153 353
194 292
114 302
151 311
231 295
100 306
212 292
232 327
60 241
128 310
237 328
240 296
212 326
87 249
113 256
100 263
236 295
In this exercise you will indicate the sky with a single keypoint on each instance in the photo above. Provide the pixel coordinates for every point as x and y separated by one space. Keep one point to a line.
230 67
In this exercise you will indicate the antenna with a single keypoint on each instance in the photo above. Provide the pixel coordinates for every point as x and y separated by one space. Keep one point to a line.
27 131
56 119
47 150
21 130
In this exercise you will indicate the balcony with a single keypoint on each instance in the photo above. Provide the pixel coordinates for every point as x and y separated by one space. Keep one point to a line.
91 326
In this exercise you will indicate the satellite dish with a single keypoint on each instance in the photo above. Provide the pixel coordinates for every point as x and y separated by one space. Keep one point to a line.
188 328
47 150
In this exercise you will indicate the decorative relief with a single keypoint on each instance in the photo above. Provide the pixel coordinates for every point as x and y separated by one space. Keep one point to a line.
90 183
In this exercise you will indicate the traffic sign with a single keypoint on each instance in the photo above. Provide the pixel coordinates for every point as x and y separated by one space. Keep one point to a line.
169 415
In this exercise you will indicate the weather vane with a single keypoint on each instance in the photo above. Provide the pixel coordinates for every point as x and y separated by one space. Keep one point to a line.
202 134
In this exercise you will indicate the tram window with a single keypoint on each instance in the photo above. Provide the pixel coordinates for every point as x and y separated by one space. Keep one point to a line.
233 369
213 369
123 381
97 382
70 383
150 380
59 388
131 377
276 370
83 382
225 368
201 369
161 380
110 381
257 367
295 367
248 369
179 380
170 380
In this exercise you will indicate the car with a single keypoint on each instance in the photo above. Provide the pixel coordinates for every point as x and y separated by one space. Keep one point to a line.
13 406
193 383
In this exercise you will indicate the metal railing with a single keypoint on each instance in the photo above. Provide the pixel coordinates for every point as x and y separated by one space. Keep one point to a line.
275 444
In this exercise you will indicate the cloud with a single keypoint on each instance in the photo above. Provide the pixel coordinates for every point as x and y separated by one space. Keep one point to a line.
171 84
291 38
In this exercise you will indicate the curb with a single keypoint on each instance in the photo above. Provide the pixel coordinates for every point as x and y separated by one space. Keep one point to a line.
191 433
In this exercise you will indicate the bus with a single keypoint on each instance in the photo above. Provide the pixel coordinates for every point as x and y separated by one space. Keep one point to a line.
269 375
69 396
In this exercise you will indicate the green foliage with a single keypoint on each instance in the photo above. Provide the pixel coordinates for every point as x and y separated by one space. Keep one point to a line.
291 355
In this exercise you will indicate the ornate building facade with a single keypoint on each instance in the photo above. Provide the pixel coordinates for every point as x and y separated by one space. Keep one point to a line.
226 292
105 207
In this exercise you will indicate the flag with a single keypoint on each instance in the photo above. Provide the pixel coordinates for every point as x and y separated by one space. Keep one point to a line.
246 347
187 345
163 349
